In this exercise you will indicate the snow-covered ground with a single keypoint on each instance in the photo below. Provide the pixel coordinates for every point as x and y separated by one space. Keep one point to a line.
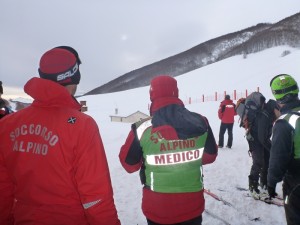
232 166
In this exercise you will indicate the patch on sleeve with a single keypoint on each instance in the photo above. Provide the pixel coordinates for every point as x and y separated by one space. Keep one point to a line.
72 120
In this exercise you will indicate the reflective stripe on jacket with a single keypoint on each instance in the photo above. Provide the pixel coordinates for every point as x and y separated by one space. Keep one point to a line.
171 166
293 119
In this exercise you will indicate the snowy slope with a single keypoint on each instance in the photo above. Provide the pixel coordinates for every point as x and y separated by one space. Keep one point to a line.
232 166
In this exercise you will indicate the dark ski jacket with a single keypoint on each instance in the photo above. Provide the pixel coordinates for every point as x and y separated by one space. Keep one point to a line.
261 127
282 164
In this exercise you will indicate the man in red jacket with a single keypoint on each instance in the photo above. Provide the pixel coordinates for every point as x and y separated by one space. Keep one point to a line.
53 167
169 149
226 114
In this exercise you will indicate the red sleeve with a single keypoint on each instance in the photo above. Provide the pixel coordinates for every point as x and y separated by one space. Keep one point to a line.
208 158
220 113
127 154
93 178
6 195
211 148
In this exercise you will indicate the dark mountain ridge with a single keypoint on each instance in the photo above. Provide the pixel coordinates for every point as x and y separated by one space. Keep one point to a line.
247 41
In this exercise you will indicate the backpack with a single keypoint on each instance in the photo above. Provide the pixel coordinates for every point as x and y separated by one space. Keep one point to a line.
247 108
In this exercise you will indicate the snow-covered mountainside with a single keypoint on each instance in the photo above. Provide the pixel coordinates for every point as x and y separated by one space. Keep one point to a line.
254 39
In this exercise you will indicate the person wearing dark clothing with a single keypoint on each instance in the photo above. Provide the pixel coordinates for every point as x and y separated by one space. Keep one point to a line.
259 147
284 162
226 114
1 89
4 109
169 149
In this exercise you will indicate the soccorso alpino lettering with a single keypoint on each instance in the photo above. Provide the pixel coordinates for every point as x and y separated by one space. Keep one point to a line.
26 130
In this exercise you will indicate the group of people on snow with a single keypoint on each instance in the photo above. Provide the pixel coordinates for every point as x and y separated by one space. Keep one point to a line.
273 136
52 171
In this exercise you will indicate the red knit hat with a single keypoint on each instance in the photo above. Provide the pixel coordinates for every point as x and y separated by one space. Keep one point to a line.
60 65
163 86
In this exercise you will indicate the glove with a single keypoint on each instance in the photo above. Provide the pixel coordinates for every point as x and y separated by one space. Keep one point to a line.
272 192
249 136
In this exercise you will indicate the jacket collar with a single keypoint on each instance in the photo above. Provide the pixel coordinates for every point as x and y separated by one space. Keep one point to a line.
162 102
290 106
47 93
226 101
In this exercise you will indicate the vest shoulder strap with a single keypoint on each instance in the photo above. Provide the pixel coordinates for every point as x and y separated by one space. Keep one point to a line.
292 117
141 126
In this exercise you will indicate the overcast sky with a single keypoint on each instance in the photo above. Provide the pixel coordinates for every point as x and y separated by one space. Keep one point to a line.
114 37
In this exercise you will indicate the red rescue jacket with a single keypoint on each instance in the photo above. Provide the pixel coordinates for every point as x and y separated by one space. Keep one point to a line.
53 167
226 111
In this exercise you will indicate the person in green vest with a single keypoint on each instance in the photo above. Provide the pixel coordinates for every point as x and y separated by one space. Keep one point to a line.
284 164
169 149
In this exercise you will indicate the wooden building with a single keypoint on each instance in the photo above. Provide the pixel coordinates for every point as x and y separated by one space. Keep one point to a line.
132 118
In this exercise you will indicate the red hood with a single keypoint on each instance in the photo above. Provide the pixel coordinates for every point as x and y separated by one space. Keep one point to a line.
47 93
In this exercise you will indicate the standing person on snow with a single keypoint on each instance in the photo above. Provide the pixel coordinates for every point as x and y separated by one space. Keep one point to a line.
259 147
169 149
53 167
285 151
226 114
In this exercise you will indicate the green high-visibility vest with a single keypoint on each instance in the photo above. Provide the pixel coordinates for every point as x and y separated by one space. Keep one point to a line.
171 166
293 118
